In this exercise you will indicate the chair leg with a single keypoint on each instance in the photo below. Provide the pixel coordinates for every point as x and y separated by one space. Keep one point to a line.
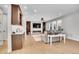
59 39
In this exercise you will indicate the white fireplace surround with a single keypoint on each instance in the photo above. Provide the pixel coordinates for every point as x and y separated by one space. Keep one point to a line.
36 30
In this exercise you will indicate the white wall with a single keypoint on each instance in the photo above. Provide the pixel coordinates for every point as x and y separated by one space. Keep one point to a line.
1 27
71 26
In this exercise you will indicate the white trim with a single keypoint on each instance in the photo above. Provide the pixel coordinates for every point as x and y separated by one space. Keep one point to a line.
9 51
74 37
9 29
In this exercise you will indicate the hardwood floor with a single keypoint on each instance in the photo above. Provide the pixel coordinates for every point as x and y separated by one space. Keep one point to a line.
3 49
36 47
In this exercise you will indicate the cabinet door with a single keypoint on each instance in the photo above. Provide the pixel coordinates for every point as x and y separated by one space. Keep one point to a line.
14 14
1 28
16 42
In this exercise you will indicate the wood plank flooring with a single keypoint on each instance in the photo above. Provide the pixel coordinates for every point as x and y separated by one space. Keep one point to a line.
3 49
31 46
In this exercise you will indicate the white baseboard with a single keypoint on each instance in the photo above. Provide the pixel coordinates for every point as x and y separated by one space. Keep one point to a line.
9 51
73 37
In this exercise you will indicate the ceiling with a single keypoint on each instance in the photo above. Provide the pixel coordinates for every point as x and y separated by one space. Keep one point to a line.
47 10
4 8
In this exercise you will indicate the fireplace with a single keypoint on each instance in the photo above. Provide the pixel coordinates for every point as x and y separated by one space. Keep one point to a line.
36 27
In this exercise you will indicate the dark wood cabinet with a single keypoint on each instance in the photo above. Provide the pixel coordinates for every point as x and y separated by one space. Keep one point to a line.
17 42
16 15
16 19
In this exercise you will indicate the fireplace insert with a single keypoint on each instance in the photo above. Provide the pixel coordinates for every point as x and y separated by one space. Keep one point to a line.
36 25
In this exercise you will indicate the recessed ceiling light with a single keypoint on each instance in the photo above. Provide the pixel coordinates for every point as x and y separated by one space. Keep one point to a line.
60 14
25 7
35 10
42 16
32 17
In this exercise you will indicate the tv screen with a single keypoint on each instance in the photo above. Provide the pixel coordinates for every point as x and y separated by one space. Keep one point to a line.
36 25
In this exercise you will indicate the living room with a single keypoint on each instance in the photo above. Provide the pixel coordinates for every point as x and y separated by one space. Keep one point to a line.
61 21
42 28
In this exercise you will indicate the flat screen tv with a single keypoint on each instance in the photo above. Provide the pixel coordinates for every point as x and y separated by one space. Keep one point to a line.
36 25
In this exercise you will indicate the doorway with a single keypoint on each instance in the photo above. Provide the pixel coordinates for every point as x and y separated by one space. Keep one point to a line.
44 26
28 27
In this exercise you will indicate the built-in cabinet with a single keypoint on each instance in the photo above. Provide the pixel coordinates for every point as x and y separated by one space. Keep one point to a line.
17 42
16 15
16 21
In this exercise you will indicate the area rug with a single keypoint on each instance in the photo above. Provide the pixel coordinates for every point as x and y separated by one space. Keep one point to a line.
37 37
